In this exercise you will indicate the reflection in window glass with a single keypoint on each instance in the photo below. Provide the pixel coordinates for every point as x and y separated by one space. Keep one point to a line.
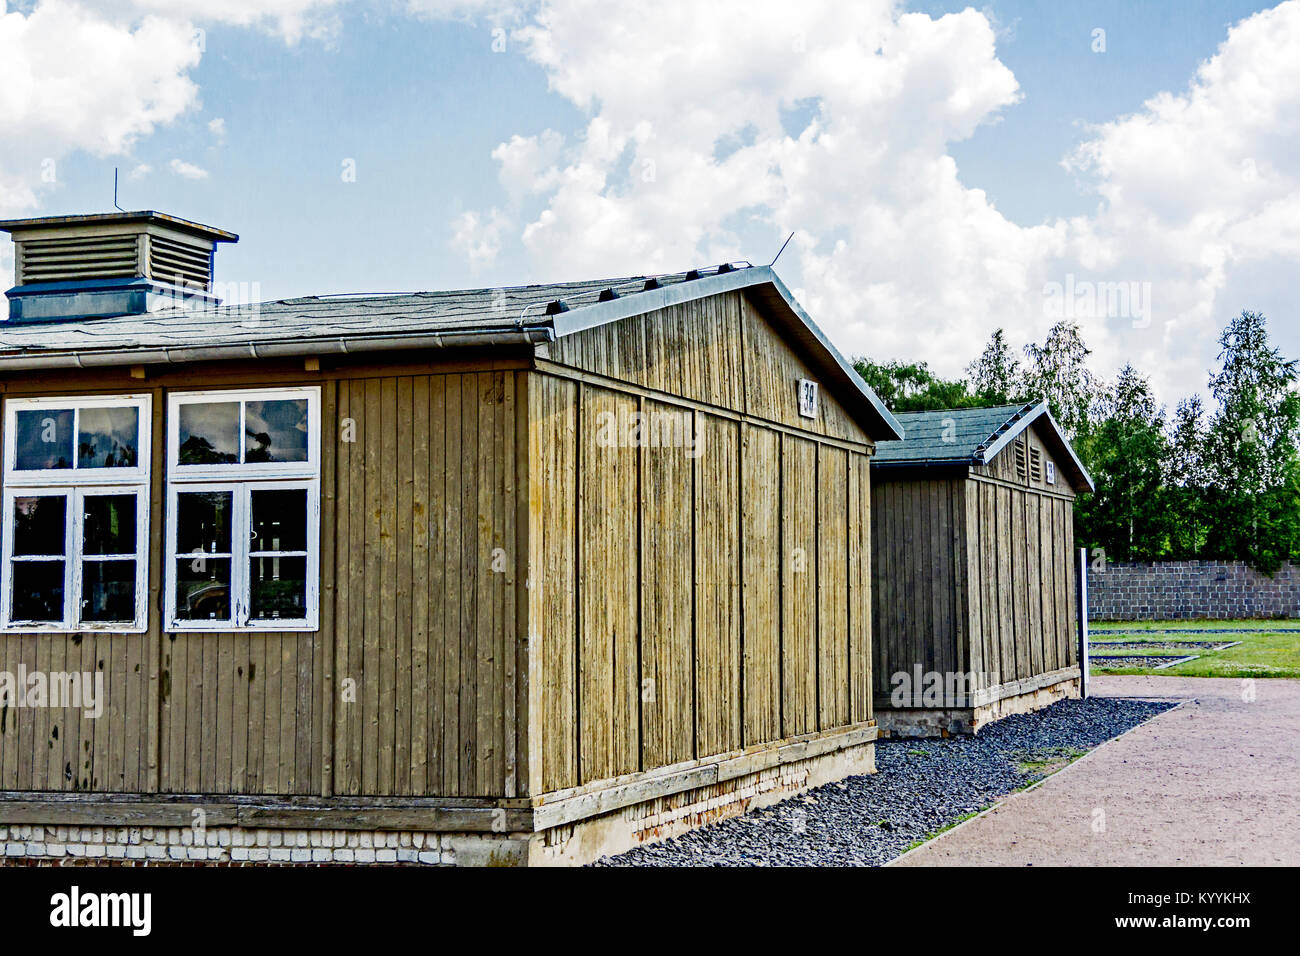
43 439
109 524
203 589
209 433
108 437
39 525
279 520
107 591
203 522
276 431
37 594
278 589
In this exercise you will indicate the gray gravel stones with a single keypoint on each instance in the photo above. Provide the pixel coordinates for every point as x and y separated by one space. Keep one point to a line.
921 787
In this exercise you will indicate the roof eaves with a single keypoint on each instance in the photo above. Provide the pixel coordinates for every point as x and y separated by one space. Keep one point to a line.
1009 429
581 317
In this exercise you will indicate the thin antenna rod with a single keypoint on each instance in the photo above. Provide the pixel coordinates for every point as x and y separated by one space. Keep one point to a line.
115 205
781 250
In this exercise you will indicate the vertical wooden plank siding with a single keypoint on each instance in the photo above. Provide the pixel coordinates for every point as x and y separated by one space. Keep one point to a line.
751 591
760 502
798 585
609 678
554 454
717 588
972 576
833 680
861 603
667 601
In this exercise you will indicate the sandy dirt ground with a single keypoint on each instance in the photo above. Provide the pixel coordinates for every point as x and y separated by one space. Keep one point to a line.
1214 782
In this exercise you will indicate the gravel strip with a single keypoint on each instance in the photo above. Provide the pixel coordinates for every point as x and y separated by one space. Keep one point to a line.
1253 629
921 786
1103 646
1156 661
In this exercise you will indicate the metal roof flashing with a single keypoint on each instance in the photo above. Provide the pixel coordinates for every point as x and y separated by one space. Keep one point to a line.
518 315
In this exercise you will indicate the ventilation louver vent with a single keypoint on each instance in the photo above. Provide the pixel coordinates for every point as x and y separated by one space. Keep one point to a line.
78 259
1035 464
179 264
1020 459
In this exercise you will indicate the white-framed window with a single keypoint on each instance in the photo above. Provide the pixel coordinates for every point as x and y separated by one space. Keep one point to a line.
75 525
243 510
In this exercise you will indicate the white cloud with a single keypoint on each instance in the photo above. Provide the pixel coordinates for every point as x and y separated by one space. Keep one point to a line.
1196 185
97 78
686 140
292 19
478 238
217 128
187 170
141 171
76 81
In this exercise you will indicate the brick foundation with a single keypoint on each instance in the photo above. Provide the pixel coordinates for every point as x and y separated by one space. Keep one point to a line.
606 820
948 721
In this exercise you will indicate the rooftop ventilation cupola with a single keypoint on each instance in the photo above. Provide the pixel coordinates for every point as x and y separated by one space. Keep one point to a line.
69 268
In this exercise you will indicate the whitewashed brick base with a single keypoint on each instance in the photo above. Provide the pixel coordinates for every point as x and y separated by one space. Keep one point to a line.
946 721
579 842
225 845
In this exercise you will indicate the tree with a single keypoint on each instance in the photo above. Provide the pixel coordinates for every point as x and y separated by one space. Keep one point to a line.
1187 475
912 387
1254 480
995 376
1058 371
1126 449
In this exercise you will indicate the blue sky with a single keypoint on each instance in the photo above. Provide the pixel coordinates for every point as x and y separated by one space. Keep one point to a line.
420 102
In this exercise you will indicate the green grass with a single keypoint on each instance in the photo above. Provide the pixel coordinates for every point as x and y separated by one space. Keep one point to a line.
1236 625
944 829
1044 763
1260 654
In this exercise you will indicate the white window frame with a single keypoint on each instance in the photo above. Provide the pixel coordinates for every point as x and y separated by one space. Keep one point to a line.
241 480
74 485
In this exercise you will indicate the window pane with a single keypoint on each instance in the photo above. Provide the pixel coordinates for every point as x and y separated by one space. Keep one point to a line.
276 431
109 524
209 433
107 591
203 522
203 589
279 520
278 589
108 437
37 591
39 525
44 439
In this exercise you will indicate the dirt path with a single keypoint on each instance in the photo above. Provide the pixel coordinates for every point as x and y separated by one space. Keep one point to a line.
1214 782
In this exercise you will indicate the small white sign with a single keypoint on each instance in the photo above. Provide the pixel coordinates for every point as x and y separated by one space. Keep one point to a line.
807 398
1051 472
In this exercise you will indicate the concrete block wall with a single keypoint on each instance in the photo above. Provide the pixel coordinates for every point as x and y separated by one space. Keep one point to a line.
1190 590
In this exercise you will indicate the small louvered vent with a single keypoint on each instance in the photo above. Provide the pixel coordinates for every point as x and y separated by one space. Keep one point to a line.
179 264
72 260
1035 464
1020 459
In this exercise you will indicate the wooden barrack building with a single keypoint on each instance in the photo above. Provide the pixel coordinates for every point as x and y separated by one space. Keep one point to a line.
521 575
974 573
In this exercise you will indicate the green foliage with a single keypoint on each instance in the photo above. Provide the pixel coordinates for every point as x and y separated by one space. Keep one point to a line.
1254 479
1187 476
1126 450
912 387
1058 371
1225 486
996 377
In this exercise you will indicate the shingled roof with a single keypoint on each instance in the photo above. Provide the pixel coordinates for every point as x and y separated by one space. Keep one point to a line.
520 315
975 436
